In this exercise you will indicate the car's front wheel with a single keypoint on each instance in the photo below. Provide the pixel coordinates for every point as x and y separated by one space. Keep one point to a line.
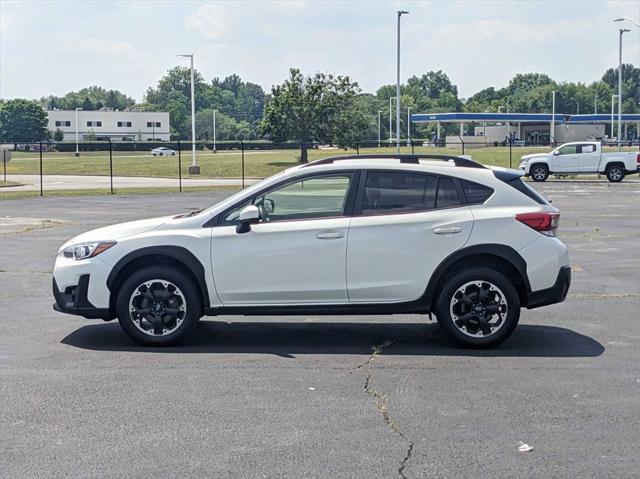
478 307
158 306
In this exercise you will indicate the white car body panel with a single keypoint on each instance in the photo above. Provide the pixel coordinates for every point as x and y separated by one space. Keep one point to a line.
378 273
287 262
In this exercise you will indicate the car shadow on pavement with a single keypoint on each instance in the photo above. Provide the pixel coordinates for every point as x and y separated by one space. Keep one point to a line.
288 339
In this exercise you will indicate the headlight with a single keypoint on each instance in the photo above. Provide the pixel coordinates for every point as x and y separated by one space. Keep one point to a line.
87 250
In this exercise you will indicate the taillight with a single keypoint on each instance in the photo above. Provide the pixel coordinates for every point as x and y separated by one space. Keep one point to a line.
638 158
545 223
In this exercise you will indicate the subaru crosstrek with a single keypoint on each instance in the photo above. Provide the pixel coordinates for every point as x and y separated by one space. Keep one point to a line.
372 234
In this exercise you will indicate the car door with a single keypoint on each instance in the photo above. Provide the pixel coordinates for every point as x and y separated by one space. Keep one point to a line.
404 225
296 254
588 157
565 159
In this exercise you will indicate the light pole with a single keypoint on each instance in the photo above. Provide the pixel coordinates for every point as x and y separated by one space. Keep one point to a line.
484 127
622 19
214 130
77 152
508 123
577 106
613 97
622 31
194 169
390 121
379 126
595 103
400 13
500 109
409 125
552 135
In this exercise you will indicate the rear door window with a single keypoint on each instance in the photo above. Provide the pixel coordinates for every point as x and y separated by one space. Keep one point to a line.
447 196
398 192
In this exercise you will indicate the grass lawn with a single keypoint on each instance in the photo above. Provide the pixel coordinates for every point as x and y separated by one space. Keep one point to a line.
258 163
15 195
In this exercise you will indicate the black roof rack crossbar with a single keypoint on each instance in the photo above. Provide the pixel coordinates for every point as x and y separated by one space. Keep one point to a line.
413 159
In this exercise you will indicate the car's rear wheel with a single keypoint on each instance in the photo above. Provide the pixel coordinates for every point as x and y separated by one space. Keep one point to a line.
478 307
539 172
158 306
615 174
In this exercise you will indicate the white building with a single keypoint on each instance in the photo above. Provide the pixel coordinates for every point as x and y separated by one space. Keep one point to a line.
116 125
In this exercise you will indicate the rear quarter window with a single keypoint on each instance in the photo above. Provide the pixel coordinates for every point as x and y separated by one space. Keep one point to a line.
475 193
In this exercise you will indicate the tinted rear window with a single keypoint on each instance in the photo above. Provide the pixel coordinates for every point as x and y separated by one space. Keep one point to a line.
398 192
476 194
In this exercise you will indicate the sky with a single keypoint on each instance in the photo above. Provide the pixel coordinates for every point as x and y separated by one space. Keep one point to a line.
53 47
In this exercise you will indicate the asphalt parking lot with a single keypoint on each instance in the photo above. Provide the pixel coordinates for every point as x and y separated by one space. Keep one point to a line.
323 396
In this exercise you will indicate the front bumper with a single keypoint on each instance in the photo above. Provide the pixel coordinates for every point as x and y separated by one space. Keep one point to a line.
555 294
73 300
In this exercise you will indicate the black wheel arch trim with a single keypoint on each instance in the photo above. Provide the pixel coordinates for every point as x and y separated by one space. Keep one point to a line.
178 253
504 252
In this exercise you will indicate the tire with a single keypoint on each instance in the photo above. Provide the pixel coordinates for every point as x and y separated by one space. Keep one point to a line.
179 309
499 295
539 172
615 173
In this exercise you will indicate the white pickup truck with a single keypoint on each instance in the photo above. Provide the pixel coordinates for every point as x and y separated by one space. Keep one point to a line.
581 157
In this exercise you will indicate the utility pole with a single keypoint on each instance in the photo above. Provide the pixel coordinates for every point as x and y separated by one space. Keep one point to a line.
194 169
379 125
214 130
390 120
552 135
409 125
400 13
613 97
77 151
622 31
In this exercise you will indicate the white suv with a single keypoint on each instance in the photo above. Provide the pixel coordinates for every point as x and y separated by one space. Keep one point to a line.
372 234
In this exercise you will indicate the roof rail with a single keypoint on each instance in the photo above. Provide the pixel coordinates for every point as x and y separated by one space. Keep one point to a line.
413 159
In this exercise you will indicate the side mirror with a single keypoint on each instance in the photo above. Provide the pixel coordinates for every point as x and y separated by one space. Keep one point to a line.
248 216
556 153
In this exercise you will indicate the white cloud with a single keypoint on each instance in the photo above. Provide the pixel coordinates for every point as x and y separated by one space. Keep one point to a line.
209 20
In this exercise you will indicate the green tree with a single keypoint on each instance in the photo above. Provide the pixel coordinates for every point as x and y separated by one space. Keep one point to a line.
22 121
227 128
431 85
58 135
311 108
630 84
93 97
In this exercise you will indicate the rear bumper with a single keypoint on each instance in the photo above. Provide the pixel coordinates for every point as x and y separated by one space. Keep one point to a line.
73 300
555 294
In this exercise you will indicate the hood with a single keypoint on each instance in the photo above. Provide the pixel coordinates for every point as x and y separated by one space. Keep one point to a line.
118 231
534 155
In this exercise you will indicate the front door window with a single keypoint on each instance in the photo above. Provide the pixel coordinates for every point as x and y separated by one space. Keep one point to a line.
315 197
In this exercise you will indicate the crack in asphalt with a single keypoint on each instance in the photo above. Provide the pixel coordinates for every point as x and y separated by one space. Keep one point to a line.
381 402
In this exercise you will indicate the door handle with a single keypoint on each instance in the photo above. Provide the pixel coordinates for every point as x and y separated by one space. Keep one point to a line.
449 230
330 235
